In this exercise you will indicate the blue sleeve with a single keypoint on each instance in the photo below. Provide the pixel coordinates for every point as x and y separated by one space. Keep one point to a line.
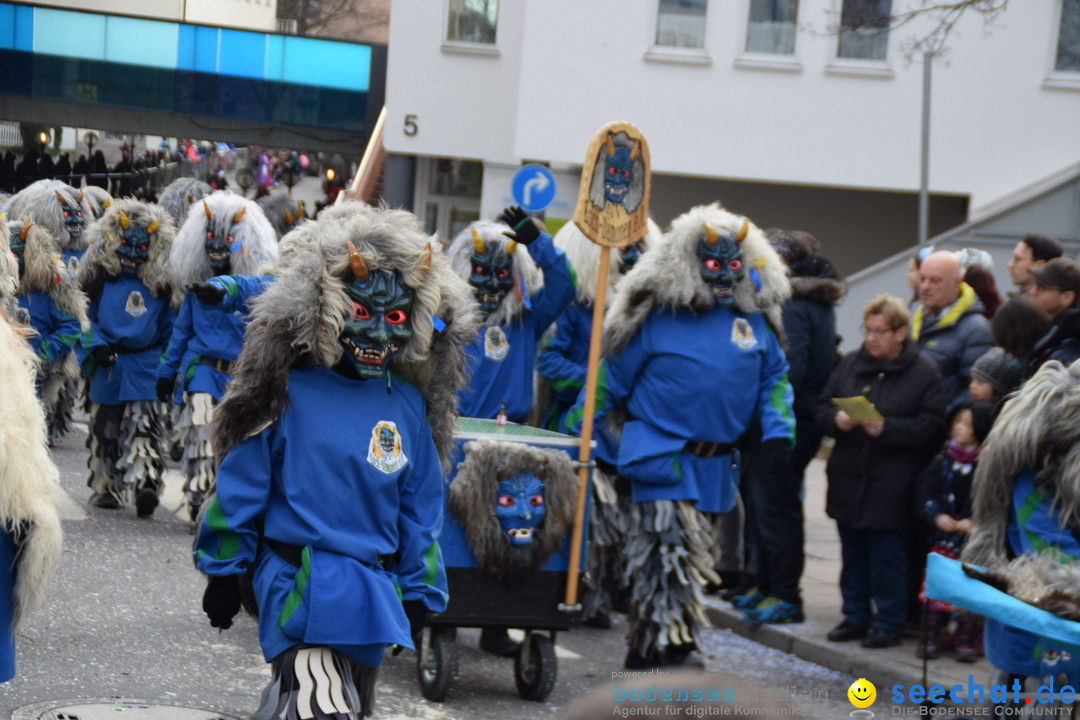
774 393
563 374
182 330
560 284
240 290
420 571
93 337
614 381
229 534
62 339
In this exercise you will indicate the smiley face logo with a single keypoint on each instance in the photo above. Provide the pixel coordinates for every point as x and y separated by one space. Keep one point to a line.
862 693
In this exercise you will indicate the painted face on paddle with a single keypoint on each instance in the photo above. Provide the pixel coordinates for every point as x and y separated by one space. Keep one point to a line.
520 508
380 323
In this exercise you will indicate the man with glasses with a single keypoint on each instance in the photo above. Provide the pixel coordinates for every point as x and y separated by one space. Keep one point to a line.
1055 288
1032 252
948 323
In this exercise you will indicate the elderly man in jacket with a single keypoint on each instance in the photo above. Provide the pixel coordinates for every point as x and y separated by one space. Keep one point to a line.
948 322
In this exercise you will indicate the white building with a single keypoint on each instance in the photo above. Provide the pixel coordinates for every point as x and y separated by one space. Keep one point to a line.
760 104
243 14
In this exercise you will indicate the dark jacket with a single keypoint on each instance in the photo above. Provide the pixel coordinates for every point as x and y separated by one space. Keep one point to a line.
946 485
1061 342
956 339
810 323
873 481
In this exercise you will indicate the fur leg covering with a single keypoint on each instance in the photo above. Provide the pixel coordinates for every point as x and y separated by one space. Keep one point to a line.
104 445
609 526
142 440
669 561
59 392
312 682
193 432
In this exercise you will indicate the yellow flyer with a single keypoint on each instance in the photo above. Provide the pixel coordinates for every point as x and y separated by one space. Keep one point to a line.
858 408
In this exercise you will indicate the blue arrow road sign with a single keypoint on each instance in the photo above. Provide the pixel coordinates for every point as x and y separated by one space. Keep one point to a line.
533 187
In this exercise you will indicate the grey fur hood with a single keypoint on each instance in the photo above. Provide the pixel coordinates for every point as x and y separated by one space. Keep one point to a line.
826 291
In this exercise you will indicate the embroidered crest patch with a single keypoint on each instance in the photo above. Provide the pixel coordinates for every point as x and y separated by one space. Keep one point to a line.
22 317
495 344
385 452
136 307
742 335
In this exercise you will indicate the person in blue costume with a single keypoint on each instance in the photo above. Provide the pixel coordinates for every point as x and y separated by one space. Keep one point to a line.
226 234
51 304
30 533
690 357
563 366
522 283
334 439
125 276
521 291
1026 513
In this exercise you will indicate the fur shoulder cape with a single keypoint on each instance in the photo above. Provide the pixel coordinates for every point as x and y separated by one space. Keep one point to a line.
179 195
101 263
299 318
1038 429
28 479
670 277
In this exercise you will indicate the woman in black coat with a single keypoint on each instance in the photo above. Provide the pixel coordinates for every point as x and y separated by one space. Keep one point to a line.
875 465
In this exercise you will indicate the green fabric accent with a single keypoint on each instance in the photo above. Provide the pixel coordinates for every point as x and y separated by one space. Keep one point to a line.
676 466
292 602
777 402
431 563
215 519
573 274
189 371
43 353
1031 503
232 289
566 383
69 339
578 412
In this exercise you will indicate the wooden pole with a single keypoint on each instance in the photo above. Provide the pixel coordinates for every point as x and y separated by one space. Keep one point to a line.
585 452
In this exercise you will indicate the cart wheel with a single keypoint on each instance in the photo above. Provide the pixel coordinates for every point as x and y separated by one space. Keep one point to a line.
436 663
534 667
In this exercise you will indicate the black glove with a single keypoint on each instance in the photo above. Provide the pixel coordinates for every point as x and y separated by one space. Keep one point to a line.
165 387
525 229
221 601
206 293
103 355
776 458
417 615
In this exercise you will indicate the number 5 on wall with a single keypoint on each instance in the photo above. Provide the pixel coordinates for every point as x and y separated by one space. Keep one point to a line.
410 125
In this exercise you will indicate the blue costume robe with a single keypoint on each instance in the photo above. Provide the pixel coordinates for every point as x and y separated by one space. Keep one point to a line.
564 364
686 377
502 359
57 331
127 317
318 479
200 332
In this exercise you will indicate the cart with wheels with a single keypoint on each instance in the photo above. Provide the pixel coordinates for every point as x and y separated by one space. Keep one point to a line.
517 576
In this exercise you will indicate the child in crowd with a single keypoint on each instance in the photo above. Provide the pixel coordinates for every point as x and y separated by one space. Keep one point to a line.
994 375
947 507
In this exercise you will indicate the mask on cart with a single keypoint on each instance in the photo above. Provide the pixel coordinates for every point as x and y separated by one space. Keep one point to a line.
519 506
492 272
721 263
381 319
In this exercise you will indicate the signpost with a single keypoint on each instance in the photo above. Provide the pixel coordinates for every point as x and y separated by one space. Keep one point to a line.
533 187
612 211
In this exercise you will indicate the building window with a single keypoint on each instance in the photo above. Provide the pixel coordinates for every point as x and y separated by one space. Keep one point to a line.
864 29
772 26
456 177
1068 50
681 23
472 21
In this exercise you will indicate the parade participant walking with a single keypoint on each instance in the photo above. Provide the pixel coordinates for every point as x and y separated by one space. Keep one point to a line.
361 331
51 304
30 534
60 209
225 235
875 464
691 356
126 278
